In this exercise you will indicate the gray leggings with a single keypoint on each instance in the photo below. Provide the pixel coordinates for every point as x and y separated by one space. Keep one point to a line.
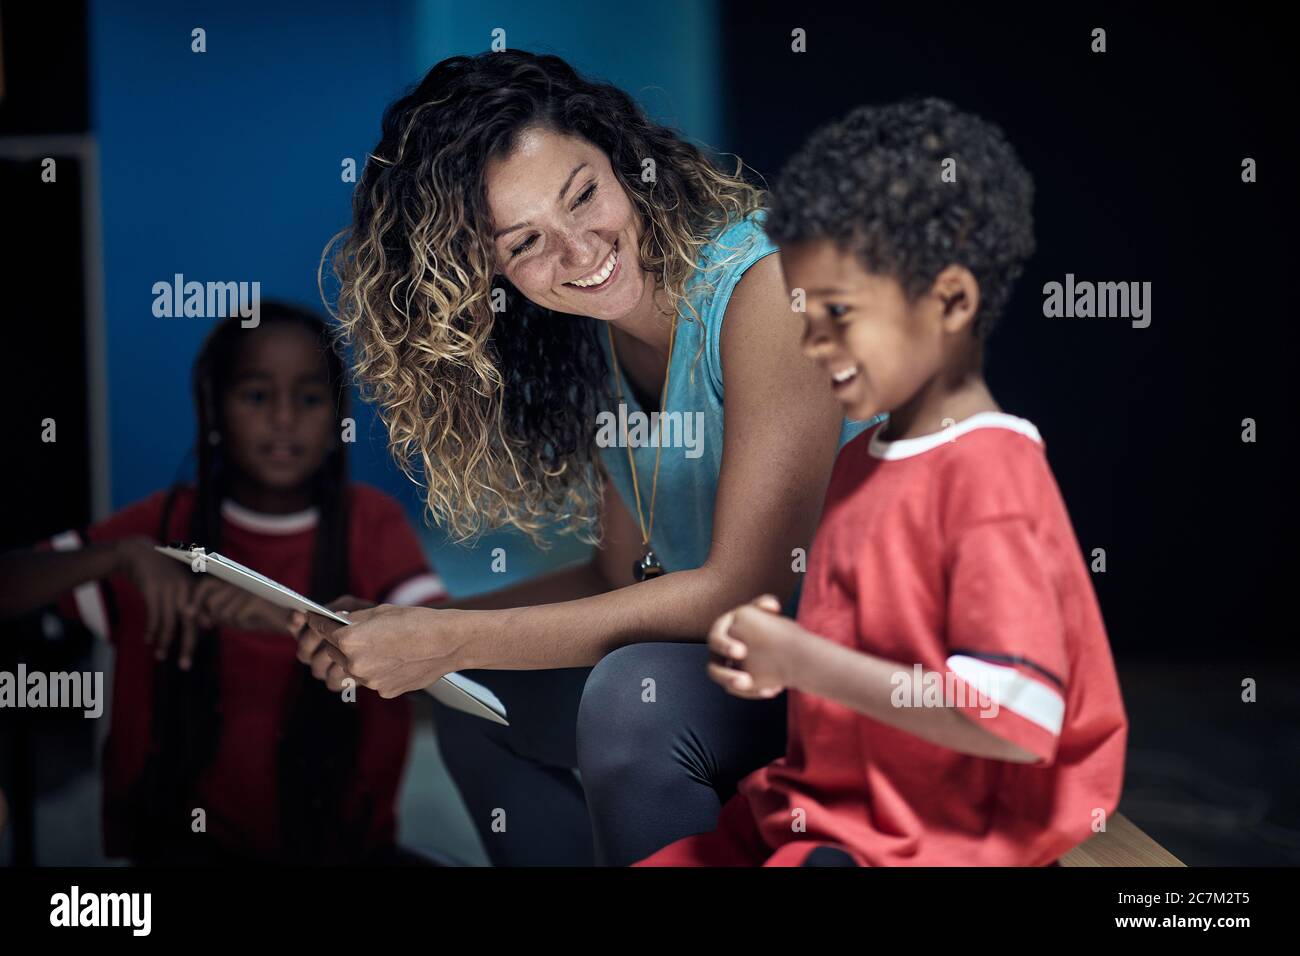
658 745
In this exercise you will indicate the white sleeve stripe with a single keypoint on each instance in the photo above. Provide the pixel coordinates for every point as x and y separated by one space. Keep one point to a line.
1007 687
417 590
88 597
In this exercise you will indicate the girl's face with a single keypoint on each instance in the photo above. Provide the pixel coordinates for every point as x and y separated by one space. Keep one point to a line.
279 409
566 234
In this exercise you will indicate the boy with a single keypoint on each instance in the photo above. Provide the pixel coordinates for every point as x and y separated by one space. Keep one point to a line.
952 695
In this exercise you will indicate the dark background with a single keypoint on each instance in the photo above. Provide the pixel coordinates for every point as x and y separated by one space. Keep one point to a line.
1136 155
45 94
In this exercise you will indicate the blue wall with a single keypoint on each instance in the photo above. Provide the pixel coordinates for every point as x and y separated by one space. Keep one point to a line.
225 166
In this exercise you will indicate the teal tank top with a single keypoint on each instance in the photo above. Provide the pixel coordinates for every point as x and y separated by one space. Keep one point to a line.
692 431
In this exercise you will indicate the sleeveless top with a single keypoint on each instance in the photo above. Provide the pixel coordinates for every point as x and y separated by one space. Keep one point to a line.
691 458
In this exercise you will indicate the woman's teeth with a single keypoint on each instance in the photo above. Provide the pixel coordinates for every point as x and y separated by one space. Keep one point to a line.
600 275
844 375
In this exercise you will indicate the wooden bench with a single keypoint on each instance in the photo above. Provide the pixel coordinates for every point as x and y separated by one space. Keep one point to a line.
1123 844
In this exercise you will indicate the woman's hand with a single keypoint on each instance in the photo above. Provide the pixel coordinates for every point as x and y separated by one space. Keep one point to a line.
753 649
165 586
392 650
327 663
349 603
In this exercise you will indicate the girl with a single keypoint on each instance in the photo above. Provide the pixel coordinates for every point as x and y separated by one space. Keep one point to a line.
528 250
222 747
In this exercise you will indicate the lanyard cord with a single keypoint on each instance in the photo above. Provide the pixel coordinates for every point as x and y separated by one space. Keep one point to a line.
659 445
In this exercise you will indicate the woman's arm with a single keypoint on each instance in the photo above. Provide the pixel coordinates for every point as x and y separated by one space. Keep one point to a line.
781 435
608 569
780 439
567 584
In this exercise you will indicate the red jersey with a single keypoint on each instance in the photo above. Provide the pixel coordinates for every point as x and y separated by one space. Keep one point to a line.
259 672
953 551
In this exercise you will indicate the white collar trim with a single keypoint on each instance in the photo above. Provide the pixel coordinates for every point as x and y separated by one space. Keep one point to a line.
907 447
251 520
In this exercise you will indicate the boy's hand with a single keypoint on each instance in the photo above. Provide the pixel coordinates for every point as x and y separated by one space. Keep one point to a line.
752 649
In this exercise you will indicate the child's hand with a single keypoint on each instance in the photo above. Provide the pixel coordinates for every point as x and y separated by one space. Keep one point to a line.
214 603
165 586
751 648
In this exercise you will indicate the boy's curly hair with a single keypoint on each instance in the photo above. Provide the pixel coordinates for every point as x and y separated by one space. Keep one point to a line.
873 184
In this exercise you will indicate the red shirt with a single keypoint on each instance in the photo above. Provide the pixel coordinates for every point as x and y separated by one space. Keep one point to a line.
953 551
260 672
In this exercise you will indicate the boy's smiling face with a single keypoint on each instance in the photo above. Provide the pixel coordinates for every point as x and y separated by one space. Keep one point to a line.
879 350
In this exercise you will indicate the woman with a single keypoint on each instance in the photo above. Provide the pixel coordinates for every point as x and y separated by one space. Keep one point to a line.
528 250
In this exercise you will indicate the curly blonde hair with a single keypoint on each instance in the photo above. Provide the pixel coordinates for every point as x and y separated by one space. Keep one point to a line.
494 412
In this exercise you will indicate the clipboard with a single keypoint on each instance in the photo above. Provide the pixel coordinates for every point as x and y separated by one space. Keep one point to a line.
454 690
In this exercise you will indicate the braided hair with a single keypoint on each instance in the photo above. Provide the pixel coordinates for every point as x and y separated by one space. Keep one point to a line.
318 744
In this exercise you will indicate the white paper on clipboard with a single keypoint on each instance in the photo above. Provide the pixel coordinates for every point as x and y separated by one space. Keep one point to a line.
454 690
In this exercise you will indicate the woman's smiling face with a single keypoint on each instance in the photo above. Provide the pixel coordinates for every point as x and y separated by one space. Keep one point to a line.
565 233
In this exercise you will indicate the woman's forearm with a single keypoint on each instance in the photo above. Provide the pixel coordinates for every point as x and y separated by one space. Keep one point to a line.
566 584
34 579
578 633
